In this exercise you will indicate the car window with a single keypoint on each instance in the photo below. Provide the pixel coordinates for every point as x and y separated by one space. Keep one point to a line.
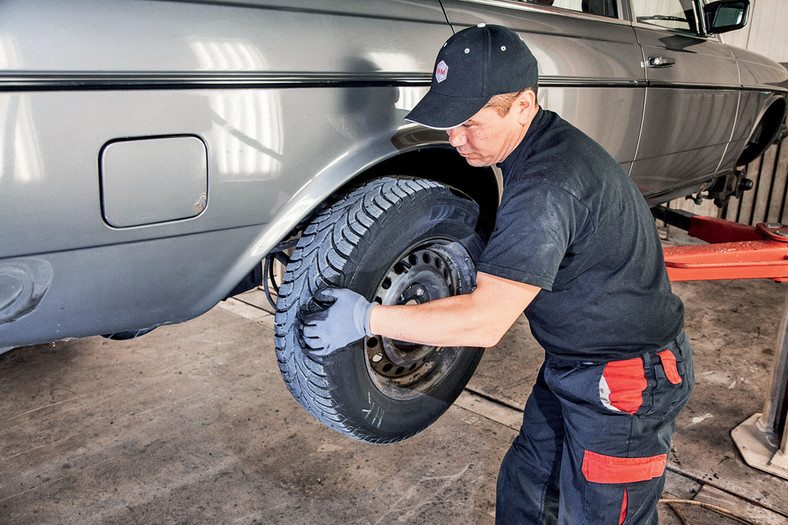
671 14
594 7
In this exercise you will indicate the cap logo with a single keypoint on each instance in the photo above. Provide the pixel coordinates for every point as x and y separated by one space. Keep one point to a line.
441 71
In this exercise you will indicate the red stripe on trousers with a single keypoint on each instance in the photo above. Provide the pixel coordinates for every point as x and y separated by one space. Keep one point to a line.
627 381
623 509
599 468
669 365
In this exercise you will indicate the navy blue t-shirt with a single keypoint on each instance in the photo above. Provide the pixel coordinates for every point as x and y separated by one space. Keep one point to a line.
574 224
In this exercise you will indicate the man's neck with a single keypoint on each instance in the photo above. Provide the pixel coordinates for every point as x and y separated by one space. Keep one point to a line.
519 134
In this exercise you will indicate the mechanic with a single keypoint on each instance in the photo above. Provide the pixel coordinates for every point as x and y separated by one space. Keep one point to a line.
574 247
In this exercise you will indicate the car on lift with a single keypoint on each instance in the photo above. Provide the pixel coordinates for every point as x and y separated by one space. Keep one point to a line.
155 153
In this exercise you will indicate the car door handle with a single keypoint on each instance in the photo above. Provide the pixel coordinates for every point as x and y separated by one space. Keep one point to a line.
658 62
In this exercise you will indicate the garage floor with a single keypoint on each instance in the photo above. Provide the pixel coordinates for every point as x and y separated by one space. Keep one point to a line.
193 424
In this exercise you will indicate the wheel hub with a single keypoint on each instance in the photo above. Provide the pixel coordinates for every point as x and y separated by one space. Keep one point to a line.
425 273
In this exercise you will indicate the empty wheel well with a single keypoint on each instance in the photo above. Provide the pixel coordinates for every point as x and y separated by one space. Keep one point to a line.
764 133
446 166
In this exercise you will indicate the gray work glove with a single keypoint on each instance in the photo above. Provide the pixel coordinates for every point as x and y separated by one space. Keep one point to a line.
343 318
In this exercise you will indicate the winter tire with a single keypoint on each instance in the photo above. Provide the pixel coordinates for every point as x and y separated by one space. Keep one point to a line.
395 241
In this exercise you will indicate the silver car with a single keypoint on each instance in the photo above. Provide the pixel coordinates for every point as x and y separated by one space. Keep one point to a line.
154 153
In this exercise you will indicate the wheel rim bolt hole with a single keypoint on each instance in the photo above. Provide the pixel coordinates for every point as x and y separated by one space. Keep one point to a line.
388 366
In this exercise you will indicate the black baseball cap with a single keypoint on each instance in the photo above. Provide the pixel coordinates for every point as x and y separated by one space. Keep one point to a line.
473 66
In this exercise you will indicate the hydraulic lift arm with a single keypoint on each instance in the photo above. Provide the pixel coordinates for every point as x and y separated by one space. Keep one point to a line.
735 251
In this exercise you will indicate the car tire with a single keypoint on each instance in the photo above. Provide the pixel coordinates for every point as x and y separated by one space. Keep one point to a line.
394 241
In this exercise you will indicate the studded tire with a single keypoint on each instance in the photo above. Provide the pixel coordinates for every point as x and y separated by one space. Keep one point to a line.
395 241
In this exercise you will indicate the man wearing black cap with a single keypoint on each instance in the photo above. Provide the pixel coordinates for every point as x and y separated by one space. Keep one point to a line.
576 248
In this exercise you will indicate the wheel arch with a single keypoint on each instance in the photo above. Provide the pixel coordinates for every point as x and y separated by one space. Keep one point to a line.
444 165
765 130
412 151
417 152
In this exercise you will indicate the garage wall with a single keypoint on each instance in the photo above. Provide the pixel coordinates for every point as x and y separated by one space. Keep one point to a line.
765 33
768 200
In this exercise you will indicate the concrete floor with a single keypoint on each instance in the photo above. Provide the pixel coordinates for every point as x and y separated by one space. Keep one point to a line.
193 424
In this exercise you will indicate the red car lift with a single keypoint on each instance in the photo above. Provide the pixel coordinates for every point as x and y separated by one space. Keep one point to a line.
736 251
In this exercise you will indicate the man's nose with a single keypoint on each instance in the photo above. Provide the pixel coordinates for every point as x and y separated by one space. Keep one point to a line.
456 137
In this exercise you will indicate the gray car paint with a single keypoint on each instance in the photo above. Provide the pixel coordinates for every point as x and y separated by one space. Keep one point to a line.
290 101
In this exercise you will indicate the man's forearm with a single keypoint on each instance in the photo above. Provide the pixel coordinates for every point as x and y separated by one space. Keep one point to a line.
445 322
480 318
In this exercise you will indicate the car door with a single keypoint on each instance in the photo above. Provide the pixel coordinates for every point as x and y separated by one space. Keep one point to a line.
691 97
590 65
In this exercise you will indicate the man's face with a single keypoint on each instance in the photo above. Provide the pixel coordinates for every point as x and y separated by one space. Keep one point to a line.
487 138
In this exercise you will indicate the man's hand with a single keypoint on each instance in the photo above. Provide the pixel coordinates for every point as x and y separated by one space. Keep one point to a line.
343 319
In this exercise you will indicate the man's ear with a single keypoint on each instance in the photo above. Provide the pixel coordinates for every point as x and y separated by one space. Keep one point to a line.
525 105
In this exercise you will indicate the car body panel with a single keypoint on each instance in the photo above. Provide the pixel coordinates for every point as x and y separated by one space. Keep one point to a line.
253 187
253 36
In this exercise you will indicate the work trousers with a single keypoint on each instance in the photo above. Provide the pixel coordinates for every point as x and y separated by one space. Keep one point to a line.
595 440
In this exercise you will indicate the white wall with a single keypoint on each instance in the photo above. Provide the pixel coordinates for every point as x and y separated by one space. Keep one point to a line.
765 33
